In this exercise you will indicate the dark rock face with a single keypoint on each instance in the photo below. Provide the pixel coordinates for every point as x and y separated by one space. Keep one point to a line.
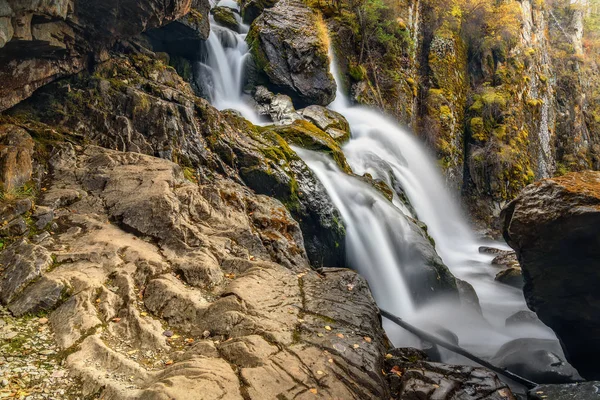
574 391
251 9
289 45
412 377
553 226
538 360
43 41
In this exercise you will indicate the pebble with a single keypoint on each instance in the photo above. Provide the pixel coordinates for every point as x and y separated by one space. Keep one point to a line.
28 369
168 333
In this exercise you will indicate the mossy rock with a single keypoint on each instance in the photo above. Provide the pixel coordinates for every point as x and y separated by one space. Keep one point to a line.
307 135
226 17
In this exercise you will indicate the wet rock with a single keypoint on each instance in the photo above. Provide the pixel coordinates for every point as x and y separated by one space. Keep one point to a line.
553 227
574 391
251 9
226 17
279 108
288 46
512 277
523 317
21 263
333 123
539 360
411 376
16 157
308 136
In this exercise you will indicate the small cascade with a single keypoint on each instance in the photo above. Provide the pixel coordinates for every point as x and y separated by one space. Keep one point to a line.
226 56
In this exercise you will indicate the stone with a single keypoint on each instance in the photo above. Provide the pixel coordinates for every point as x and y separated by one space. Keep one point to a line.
226 17
22 263
539 360
16 157
512 277
44 295
573 391
251 9
411 376
289 45
553 227
333 123
523 317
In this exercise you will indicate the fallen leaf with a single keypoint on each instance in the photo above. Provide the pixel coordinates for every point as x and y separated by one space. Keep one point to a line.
396 370
116 319
367 339
330 360
320 335
327 328
320 372
313 391
388 356
355 346
170 362
341 336
144 314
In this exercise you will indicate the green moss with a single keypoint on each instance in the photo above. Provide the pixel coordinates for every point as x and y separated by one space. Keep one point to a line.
307 135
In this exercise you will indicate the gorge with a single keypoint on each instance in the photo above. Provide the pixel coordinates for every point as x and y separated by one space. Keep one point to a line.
182 195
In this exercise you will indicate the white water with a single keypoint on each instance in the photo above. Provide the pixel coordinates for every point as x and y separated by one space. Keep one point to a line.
226 61
380 241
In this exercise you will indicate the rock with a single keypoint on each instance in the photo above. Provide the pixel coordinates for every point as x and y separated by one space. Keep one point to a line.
539 360
226 17
523 317
411 376
251 9
553 227
574 391
279 108
56 39
41 296
184 36
22 263
507 259
43 216
308 136
289 45
333 123
512 277
16 157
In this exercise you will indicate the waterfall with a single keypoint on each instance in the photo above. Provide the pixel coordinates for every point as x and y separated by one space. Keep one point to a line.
227 53
379 237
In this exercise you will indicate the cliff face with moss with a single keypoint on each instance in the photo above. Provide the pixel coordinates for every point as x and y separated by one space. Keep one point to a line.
503 92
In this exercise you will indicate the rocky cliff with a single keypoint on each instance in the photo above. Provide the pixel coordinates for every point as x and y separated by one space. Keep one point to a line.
504 93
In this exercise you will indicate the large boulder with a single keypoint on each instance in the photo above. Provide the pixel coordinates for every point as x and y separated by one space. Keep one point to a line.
41 41
539 360
553 226
290 46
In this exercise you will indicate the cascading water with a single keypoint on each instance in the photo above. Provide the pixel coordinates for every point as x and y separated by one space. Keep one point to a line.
380 240
227 53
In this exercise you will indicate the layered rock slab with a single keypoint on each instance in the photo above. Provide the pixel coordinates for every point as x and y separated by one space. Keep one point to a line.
553 226
251 323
